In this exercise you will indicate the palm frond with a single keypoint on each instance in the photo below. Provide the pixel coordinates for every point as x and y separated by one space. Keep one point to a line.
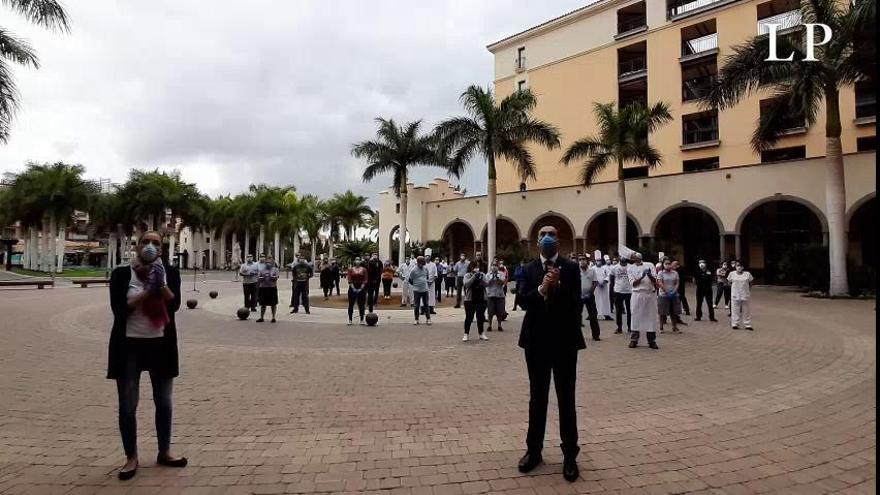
45 13
593 167
583 149
17 50
516 153
8 101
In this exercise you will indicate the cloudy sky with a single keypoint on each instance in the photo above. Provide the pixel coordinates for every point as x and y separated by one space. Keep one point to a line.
232 93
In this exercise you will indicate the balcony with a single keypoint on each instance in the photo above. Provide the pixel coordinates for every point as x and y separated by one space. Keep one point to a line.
629 27
786 21
866 108
632 69
700 130
520 63
696 88
698 48
679 9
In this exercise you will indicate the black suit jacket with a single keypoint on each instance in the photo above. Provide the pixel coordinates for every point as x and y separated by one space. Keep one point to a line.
553 324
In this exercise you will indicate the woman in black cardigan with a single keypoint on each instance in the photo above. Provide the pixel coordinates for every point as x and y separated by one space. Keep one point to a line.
144 297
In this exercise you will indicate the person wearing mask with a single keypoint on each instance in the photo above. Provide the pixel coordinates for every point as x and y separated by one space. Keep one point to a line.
703 280
337 274
267 282
431 266
495 298
622 295
588 295
374 278
143 298
358 285
474 301
387 279
441 276
326 279
668 302
503 269
682 296
403 272
740 282
301 273
721 286
249 272
461 268
418 281
612 264
484 267
450 279
602 294
551 338
643 278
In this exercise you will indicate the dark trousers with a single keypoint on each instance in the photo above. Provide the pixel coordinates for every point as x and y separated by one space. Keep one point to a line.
128 390
563 367
336 284
685 306
705 294
386 287
474 309
450 286
622 301
372 294
612 298
300 296
438 289
722 290
421 304
328 290
459 285
592 314
356 297
634 336
517 297
250 295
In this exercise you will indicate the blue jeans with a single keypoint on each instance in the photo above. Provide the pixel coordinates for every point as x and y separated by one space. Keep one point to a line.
128 389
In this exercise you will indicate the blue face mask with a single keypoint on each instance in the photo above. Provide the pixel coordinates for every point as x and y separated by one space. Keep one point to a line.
548 244
149 253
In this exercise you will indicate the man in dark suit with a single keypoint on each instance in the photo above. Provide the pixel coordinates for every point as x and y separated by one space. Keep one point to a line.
551 337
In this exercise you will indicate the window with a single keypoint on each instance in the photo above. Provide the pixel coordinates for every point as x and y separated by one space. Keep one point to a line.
683 8
521 58
521 85
785 13
867 143
866 99
783 154
697 79
699 39
700 127
631 18
701 164
788 123
397 208
635 172
632 61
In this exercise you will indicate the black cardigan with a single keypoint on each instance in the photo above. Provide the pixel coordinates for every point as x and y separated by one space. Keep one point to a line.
119 280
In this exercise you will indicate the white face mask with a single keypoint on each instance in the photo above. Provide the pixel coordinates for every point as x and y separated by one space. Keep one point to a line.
740 269
702 266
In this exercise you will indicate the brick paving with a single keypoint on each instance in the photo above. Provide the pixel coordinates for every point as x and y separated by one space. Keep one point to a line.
309 405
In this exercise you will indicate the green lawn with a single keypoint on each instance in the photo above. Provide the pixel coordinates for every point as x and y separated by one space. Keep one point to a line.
66 273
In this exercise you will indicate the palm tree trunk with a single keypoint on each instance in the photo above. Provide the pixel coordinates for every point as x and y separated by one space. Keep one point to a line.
491 217
295 243
59 246
44 246
34 247
621 208
172 244
52 242
111 243
835 196
247 243
235 243
222 249
276 246
401 243
261 241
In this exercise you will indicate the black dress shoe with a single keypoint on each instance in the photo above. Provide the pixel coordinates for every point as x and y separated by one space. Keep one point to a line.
165 461
633 344
529 461
653 345
570 470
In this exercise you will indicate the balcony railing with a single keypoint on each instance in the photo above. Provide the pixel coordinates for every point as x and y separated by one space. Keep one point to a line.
699 45
785 20
625 26
707 134
631 66
520 63
866 106
680 7
696 88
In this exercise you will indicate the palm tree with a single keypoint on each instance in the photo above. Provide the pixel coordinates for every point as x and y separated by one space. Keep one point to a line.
397 149
313 219
622 139
372 223
799 88
495 131
45 13
352 211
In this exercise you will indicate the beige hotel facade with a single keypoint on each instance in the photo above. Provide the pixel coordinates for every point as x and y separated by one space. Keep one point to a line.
712 198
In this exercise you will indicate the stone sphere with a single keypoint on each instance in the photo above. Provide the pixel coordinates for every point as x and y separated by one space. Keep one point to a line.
243 313
394 285
213 294
191 303
372 319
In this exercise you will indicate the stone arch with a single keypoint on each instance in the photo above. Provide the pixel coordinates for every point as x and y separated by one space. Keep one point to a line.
507 232
820 215
562 223
394 245
861 222
687 204
601 227
691 231
857 205
459 236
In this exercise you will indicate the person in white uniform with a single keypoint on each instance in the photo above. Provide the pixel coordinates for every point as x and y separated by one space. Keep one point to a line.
643 278
740 282
603 294
431 266
403 274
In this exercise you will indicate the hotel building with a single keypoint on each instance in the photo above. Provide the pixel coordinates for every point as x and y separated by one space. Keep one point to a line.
713 197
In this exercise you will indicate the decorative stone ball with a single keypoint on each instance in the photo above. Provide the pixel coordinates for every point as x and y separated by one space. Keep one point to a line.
372 319
191 303
213 294
243 313
394 285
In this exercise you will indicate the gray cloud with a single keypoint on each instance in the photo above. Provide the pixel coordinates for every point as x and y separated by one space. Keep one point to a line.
232 93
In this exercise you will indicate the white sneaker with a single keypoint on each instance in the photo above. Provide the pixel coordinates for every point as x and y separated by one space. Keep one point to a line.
416 323
726 306
483 337
465 338
428 323
362 323
349 323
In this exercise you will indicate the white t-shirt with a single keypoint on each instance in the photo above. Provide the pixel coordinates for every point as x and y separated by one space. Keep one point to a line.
635 272
587 279
138 324
739 285
622 284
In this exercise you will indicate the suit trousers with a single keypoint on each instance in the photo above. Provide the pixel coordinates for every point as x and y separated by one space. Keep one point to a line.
705 294
563 367
592 314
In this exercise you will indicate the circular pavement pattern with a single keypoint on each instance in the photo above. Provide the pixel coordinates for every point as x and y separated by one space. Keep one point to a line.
311 405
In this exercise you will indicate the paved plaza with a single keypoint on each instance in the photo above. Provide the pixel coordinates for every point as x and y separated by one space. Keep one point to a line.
311 405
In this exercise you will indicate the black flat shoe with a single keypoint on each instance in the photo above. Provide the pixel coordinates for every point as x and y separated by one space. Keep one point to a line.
529 461
653 345
570 470
633 344
618 331
178 463
127 475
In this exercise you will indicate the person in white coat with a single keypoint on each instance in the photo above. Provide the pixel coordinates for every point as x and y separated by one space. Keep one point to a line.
643 278
740 282
602 293
431 266
403 274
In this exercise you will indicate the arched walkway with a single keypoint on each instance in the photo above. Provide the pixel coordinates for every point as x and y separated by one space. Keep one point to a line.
394 242
772 229
691 232
601 232
863 233
563 226
507 235
459 237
